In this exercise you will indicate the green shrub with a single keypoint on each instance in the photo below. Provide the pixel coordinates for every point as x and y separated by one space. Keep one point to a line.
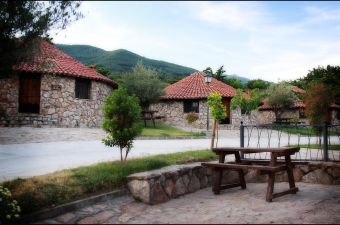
9 209
191 117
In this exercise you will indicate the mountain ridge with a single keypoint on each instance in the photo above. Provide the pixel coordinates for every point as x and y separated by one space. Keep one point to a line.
122 60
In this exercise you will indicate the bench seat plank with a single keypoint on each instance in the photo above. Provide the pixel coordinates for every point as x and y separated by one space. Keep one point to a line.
238 166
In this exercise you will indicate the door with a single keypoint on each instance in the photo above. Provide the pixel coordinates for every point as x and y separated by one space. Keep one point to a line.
29 93
226 103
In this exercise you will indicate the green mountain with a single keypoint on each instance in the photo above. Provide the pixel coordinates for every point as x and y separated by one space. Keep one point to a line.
120 60
243 80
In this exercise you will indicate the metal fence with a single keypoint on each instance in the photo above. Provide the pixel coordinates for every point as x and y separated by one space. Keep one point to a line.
316 142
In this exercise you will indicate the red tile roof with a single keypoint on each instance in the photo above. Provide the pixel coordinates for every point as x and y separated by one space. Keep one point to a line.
51 60
297 89
194 87
298 104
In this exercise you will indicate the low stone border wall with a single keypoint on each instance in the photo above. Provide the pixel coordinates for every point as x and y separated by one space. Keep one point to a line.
72 206
158 186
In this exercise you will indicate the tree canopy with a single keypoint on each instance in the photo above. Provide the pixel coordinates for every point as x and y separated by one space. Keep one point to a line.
143 83
280 98
329 77
247 103
258 83
22 22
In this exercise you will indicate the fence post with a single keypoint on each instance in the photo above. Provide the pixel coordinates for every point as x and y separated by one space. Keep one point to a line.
242 138
325 141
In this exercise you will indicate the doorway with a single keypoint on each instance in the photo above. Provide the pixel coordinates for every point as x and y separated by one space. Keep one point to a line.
29 93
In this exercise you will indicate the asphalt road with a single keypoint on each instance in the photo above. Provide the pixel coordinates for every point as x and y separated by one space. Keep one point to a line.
31 159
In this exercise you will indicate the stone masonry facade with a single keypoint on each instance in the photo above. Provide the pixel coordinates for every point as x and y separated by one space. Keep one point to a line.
58 107
174 113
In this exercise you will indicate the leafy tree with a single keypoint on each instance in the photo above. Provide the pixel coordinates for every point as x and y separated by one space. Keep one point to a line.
317 102
247 103
236 83
218 112
104 71
144 83
22 22
329 77
280 98
208 70
258 83
121 120
218 75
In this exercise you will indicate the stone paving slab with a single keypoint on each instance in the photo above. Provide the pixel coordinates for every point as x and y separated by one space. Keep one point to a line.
312 204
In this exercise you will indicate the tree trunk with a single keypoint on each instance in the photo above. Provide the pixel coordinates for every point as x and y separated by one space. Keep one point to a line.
213 135
121 154
126 153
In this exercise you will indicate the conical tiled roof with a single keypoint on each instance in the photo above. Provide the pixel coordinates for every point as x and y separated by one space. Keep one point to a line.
51 60
194 87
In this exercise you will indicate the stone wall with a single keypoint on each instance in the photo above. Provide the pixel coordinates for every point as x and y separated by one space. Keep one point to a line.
9 95
174 113
254 118
158 186
58 106
335 116
257 117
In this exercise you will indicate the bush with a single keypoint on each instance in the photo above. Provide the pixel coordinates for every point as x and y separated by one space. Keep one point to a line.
9 209
191 117
121 120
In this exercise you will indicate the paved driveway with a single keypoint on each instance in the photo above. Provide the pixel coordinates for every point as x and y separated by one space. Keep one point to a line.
78 147
313 204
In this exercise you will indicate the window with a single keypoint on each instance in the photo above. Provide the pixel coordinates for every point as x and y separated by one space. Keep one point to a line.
302 114
83 88
29 93
191 106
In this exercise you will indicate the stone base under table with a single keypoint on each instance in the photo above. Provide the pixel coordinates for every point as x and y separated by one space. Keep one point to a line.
158 186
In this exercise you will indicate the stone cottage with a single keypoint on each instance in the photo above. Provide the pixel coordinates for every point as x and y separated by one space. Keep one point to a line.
53 89
266 115
190 95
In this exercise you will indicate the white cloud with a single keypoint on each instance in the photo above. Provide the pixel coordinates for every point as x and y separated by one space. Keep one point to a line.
242 15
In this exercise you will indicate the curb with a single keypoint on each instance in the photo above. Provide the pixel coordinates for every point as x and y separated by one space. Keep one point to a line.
171 138
72 206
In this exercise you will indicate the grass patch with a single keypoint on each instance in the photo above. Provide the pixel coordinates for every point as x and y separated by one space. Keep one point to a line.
46 191
316 146
164 130
309 131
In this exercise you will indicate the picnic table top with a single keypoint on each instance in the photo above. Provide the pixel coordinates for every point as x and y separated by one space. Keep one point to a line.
256 150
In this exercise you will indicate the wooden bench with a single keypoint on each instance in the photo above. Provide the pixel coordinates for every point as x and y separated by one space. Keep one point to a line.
239 165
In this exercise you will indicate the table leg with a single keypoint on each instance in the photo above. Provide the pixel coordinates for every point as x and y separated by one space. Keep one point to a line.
270 187
217 181
240 172
290 172
271 179
218 175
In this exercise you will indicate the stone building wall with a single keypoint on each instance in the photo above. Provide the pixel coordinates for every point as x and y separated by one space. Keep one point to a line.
254 118
58 106
9 95
174 113
335 116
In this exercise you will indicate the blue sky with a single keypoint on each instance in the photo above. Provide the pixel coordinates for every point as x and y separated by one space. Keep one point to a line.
273 41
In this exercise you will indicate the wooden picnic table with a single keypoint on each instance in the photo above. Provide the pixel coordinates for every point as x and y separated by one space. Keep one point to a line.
273 166
283 120
149 115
